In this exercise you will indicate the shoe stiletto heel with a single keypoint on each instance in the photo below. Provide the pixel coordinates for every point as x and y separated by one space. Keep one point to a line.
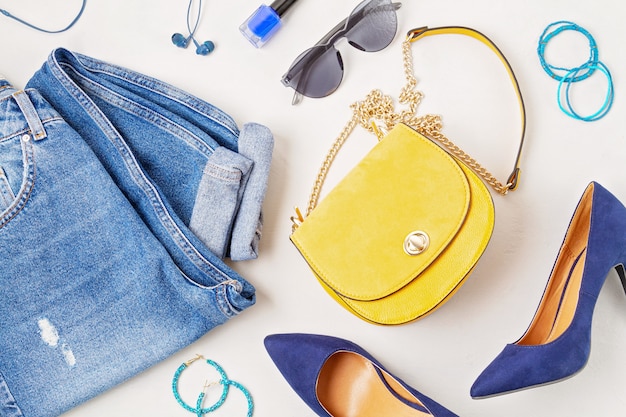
337 378
557 343
622 275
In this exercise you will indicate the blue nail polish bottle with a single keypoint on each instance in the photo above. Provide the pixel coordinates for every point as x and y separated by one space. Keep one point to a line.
264 22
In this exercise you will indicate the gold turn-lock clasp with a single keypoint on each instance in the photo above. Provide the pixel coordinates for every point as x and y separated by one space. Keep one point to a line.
416 242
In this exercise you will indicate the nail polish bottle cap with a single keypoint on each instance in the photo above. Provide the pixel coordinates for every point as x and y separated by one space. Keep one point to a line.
281 6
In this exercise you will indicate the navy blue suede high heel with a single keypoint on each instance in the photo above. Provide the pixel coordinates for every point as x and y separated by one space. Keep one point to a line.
558 340
337 378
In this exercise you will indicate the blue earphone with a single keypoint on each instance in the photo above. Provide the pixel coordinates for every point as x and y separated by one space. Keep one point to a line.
181 41
30 25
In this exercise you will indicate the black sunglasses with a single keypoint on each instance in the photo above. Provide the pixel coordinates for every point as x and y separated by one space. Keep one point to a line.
318 71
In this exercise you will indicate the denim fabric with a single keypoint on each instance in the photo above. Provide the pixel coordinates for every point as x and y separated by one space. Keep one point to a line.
208 163
118 195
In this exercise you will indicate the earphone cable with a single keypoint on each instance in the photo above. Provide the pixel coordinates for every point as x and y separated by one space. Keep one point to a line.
80 13
192 33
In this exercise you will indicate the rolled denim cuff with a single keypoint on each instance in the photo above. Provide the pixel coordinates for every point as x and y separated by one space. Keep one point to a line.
220 191
256 143
227 211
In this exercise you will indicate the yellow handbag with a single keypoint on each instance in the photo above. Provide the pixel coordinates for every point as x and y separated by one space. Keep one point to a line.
399 234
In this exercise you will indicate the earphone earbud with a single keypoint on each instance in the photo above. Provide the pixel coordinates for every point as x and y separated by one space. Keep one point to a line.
205 48
181 41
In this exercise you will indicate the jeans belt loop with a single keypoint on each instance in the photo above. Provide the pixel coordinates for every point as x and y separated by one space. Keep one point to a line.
34 122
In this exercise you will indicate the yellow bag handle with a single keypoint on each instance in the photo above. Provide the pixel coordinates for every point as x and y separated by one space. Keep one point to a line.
416 34
379 108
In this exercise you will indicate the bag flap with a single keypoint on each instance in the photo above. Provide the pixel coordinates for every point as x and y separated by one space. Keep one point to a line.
445 275
354 239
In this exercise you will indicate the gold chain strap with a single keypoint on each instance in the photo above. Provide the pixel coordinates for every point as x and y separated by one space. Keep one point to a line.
379 109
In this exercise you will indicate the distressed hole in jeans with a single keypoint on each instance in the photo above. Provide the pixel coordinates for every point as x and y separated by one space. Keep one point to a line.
50 336
48 332
68 355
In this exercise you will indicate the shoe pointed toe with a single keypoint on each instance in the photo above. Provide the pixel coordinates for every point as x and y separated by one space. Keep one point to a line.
499 377
301 357
302 354
520 367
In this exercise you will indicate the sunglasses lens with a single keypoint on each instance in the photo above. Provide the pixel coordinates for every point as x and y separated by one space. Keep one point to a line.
372 25
317 73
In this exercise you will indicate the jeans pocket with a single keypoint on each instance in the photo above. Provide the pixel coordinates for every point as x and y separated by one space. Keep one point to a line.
7 196
17 175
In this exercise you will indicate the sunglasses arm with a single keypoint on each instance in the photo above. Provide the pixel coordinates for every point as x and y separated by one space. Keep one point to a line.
297 98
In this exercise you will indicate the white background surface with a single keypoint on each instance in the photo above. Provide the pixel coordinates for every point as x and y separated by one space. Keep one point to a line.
442 354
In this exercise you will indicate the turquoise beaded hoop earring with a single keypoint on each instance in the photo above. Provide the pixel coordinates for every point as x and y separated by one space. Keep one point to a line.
199 410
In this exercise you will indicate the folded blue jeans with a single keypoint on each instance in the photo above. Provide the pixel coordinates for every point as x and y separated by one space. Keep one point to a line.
119 197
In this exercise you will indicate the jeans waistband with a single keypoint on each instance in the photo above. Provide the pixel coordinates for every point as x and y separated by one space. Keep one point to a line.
64 64
4 81
6 89
24 110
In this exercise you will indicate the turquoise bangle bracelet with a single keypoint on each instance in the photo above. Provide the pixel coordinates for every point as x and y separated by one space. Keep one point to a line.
575 74
553 30
608 99
226 383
